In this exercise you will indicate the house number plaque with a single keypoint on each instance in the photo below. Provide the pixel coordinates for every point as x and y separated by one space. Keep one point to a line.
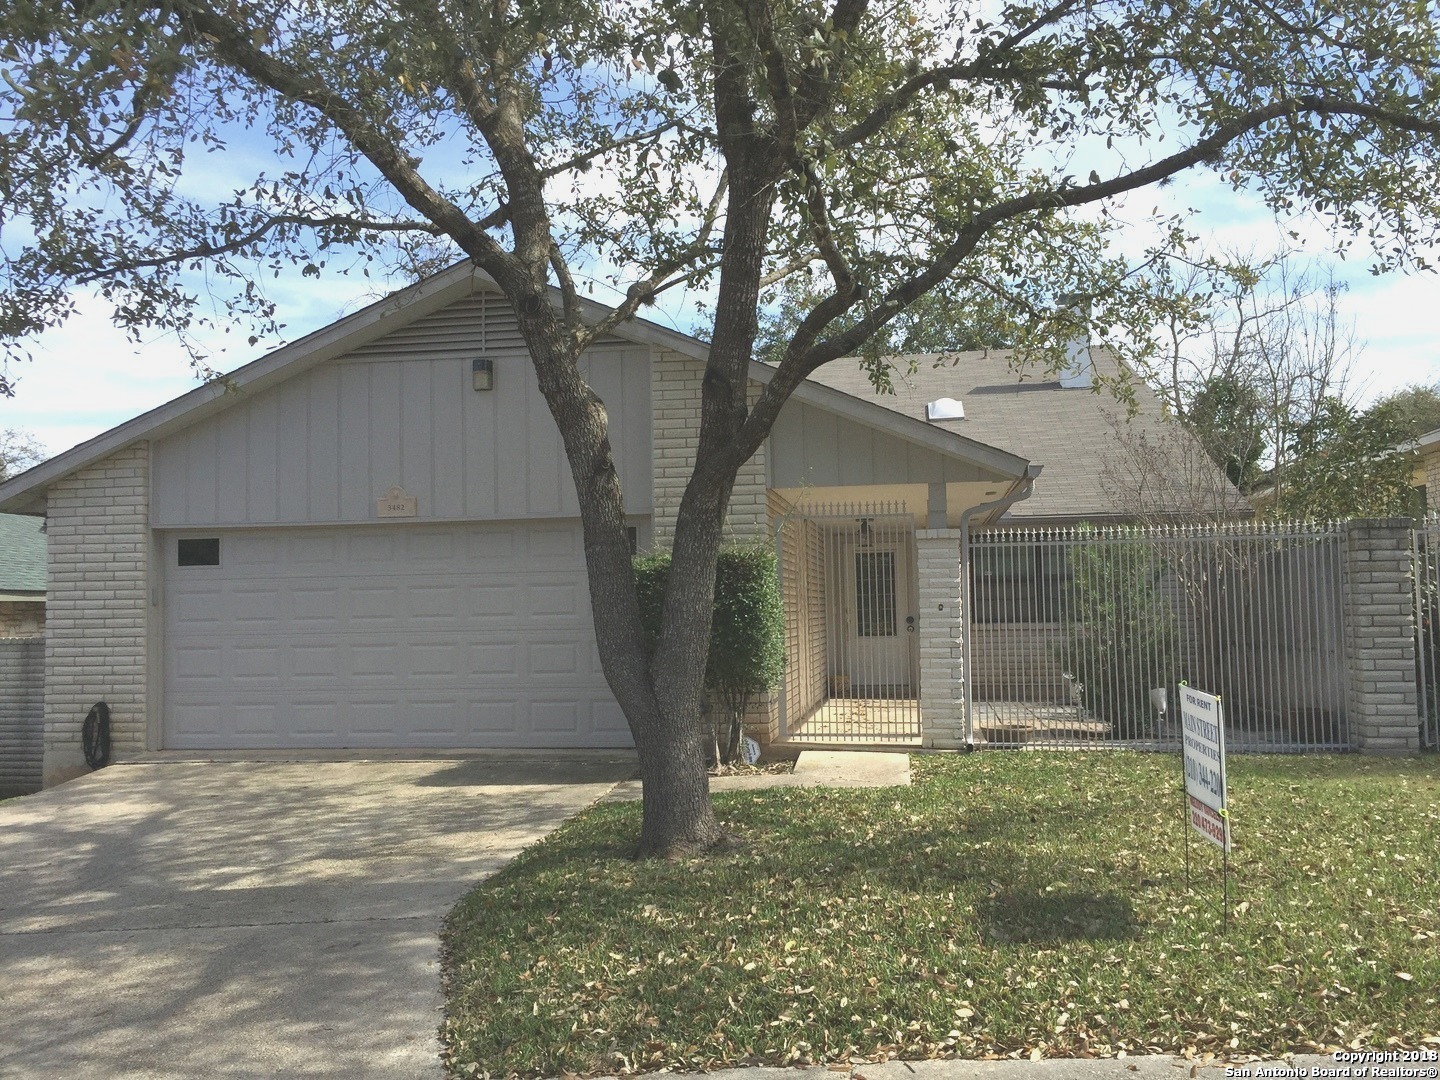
396 504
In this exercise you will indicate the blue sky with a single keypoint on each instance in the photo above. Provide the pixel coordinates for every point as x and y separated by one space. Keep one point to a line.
87 377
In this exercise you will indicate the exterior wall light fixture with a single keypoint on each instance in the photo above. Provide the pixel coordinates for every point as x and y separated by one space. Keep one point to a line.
482 373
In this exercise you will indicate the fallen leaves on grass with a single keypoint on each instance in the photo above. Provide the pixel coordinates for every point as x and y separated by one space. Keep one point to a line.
1006 905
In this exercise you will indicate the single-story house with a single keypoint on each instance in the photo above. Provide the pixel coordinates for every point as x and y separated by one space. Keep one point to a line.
22 576
22 652
370 539
1425 473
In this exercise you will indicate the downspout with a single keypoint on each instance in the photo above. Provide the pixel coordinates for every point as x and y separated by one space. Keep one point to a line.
1015 495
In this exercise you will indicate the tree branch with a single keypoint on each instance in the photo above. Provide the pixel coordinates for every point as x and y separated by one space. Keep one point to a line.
787 137
940 78
1046 18
988 68
816 87
569 298
103 153
154 86
777 75
805 354
461 76
382 149
577 160
784 270
647 289
207 249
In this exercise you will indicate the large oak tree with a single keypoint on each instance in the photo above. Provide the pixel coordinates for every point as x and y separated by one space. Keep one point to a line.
158 151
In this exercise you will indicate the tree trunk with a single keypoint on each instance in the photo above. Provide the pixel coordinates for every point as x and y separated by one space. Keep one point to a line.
662 695
737 727
677 818
677 813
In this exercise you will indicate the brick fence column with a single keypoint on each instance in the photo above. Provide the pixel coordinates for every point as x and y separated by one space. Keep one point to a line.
1380 636
942 659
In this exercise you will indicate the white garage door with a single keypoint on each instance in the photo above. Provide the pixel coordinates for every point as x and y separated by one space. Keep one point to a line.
401 636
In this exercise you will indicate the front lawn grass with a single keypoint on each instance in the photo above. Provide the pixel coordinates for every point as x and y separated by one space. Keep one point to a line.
1005 904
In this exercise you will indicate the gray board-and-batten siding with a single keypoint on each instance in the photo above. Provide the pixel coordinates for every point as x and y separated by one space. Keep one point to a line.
322 446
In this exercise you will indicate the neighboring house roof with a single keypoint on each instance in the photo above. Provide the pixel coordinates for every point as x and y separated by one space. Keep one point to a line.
1428 442
22 557
24 493
1068 430
1426 450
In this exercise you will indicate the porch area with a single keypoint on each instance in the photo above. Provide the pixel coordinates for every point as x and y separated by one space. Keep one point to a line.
873 722
900 636
848 581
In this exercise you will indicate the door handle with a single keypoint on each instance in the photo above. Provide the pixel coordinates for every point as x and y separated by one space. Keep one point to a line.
909 624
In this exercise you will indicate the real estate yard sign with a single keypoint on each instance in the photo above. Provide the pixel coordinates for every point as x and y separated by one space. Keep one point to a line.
1203 747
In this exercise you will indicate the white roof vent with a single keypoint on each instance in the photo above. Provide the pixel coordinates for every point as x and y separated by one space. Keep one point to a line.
945 408
1076 374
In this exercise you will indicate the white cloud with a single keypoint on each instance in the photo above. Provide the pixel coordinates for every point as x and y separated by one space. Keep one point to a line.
87 376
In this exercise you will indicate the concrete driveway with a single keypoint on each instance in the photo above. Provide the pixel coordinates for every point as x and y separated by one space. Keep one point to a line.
252 919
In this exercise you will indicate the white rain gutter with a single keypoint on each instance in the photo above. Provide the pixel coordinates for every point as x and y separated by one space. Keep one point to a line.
1016 495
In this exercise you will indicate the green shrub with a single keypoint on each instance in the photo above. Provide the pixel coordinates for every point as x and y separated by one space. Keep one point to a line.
1121 639
747 633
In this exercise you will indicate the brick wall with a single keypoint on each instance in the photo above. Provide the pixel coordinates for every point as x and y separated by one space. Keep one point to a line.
22 618
1380 636
22 714
675 398
98 554
942 672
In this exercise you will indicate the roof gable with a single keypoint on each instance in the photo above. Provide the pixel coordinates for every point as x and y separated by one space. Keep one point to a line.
23 492
393 316
1069 431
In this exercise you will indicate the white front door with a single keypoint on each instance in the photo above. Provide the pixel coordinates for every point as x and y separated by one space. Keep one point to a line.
881 619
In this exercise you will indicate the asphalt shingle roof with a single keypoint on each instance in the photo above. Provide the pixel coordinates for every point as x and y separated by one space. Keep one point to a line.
22 553
1069 431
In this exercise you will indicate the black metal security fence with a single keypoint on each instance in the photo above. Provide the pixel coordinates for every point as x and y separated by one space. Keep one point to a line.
1427 629
1077 636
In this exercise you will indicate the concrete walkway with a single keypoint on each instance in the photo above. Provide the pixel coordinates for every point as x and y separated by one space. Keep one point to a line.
813 768
227 920
852 768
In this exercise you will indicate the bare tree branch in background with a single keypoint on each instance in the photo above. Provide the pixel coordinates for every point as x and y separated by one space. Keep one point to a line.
1167 476
19 450
1257 353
